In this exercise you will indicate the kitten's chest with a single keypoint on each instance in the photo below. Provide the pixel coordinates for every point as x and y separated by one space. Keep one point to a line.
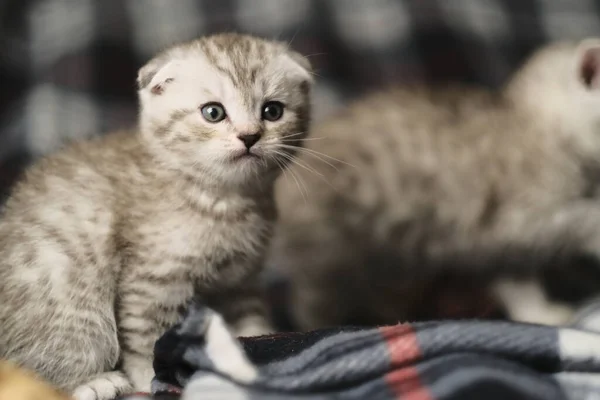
192 234
203 245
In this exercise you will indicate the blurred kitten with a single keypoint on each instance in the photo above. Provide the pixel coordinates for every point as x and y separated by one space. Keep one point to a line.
487 189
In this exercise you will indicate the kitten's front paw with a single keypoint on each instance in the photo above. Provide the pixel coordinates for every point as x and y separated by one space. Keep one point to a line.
105 386
139 370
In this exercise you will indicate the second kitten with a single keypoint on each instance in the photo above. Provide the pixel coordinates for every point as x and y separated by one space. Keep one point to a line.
430 184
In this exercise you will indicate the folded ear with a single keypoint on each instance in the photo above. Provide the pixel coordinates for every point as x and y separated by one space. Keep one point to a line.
588 63
302 62
154 75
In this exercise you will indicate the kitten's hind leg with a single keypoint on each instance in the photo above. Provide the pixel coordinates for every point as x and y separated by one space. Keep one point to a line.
105 386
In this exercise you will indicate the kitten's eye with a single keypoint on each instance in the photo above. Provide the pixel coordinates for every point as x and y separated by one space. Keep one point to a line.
213 112
272 111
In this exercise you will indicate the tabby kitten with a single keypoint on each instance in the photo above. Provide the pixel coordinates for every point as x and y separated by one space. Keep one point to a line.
103 243
426 186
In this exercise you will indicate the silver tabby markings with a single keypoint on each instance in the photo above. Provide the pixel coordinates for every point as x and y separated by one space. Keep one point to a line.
105 242
431 183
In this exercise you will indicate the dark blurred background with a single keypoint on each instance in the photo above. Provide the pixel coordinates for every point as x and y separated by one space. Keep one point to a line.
67 67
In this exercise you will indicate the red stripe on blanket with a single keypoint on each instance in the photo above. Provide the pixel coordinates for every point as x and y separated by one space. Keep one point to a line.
404 379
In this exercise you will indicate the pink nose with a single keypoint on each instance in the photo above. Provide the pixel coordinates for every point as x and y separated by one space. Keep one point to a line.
249 139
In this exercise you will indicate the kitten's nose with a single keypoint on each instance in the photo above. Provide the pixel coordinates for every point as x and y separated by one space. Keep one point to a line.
249 139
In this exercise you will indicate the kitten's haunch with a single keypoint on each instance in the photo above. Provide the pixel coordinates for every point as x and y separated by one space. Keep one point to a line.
105 242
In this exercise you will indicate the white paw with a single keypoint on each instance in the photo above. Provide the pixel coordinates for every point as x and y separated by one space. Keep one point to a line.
140 371
105 386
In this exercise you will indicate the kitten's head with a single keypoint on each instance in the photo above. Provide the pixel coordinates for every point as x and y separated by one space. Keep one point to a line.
560 84
228 107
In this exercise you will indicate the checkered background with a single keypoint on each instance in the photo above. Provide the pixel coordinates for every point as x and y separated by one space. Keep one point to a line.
67 67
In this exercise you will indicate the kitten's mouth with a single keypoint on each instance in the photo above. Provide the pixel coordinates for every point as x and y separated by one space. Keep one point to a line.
245 155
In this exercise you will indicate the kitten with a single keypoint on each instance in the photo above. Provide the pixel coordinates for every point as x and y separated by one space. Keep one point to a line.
104 243
431 185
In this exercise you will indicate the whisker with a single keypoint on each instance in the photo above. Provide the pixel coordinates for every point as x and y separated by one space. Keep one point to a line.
315 152
306 167
299 179
289 45
328 156
304 196
315 74
310 138
280 166
318 157
297 162
292 135
314 55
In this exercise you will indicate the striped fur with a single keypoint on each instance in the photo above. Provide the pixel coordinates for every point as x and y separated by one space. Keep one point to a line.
443 191
104 243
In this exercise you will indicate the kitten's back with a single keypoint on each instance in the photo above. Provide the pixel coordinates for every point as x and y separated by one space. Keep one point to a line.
405 149
421 178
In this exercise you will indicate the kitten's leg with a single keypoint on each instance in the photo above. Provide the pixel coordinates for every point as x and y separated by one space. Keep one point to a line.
106 386
526 301
149 304
139 332
243 308
139 370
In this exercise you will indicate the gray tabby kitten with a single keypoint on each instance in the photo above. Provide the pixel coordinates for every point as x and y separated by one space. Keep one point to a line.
103 243
428 185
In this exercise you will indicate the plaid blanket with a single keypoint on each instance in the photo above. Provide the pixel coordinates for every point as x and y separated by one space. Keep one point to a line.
441 360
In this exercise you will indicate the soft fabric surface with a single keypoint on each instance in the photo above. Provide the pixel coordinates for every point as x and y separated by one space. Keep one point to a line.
420 361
